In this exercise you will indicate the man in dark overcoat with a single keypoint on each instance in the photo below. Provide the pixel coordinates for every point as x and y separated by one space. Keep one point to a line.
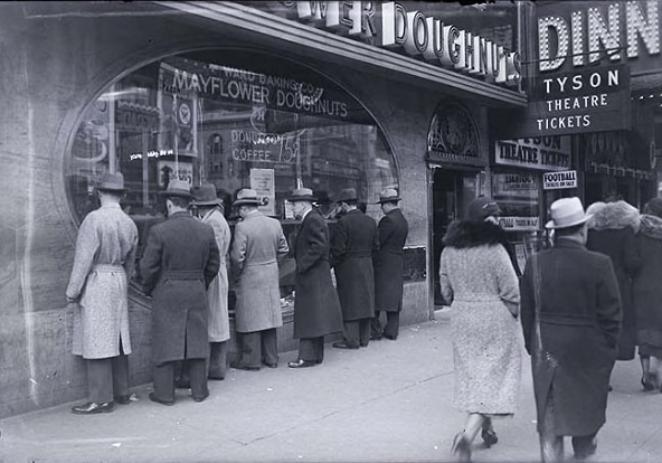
571 317
389 266
180 260
316 306
353 244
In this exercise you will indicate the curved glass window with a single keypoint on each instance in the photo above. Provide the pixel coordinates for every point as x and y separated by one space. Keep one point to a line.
235 119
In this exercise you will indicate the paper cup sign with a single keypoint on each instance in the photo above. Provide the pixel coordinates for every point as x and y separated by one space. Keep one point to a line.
559 180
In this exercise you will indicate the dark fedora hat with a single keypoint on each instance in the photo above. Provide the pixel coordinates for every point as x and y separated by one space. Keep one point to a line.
347 194
388 195
111 182
205 195
246 196
178 188
302 194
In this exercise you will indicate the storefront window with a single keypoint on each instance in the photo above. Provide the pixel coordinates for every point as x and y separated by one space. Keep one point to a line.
234 119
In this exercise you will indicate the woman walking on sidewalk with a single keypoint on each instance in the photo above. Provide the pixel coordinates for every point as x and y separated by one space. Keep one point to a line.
477 276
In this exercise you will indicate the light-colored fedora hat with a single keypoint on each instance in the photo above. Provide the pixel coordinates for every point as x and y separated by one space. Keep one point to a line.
205 195
246 196
388 195
111 182
347 194
176 187
567 212
302 194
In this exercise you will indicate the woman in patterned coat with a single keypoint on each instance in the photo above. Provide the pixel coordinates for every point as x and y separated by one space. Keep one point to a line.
476 274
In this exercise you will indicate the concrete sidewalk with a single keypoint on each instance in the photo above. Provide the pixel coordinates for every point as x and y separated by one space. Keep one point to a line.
389 402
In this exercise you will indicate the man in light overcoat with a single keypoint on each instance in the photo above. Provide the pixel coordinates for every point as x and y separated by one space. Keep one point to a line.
210 211
258 245
98 287
316 306
389 266
180 261
571 317
353 244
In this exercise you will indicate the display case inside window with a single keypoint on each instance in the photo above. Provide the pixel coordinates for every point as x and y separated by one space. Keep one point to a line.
235 119
518 194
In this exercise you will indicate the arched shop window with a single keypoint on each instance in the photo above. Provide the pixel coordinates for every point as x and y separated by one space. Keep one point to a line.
235 119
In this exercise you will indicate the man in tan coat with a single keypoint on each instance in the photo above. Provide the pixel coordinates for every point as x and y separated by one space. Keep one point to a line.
210 212
98 286
258 244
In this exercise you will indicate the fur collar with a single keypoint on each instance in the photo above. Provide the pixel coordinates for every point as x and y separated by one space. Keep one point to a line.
616 215
651 226
469 234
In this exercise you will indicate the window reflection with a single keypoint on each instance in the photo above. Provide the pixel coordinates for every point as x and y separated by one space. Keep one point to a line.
235 120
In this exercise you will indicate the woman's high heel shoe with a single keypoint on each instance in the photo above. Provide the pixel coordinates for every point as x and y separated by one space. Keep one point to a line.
649 382
461 448
489 437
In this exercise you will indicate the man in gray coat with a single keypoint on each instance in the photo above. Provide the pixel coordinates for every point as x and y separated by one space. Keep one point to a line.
353 244
98 286
571 316
180 260
258 245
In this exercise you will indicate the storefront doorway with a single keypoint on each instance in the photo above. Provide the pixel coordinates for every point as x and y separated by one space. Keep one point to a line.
452 191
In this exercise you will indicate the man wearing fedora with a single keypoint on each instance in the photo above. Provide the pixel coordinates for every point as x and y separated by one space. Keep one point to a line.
258 245
389 265
98 286
180 261
353 244
209 208
316 306
571 317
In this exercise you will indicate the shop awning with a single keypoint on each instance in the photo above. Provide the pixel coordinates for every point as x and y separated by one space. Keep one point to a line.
305 39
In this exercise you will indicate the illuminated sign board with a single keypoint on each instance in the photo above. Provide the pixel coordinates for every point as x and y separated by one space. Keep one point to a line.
395 26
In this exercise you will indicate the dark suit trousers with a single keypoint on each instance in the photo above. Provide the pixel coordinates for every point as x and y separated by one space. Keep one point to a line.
164 379
258 347
218 363
107 378
392 327
551 444
312 349
357 332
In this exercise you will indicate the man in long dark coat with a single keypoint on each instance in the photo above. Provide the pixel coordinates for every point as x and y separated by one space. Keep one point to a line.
389 264
181 259
571 316
353 244
316 306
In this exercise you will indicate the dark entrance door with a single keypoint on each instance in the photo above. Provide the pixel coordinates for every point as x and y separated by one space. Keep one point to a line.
452 190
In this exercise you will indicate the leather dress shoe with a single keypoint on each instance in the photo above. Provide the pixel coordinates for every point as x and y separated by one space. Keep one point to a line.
375 337
343 345
270 365
390 336
92 408
300 363
154 398
123 399
216 377
200 399
588 451
242 366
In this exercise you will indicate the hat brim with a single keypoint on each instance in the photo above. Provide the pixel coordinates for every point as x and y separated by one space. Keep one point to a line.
111 189
550 225
246 202
308 199
178 194
389 200
212 202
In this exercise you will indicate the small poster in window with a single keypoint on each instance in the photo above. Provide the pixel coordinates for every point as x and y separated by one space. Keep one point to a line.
167 170
263 182
289 209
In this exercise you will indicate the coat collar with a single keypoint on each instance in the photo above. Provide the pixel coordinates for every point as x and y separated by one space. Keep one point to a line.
253 214
568 244
178 215
210 213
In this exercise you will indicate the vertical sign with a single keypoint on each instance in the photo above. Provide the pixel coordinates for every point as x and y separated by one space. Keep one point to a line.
263 182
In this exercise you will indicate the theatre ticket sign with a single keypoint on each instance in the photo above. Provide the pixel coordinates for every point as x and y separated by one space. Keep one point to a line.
586 53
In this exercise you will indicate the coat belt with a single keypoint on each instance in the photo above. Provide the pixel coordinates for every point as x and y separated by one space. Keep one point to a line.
107 268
